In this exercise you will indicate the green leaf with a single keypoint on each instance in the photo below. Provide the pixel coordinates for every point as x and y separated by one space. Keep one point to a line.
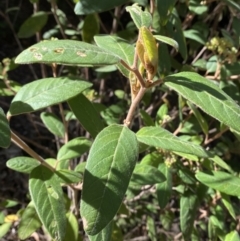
90 27
5 135
33 24
207 96
80 167
232 236
219 161
72 228
68 176
4 228
74 148
22 164
47 196
151 229
188 211
45 92
167 40
68 52
164 8
202 122
84 7
87 115
140 18
228 204
232 4
164 189
119 47
196 35
174 27
53 124
161 138
29 222
105 234
146 175
110 164
221 181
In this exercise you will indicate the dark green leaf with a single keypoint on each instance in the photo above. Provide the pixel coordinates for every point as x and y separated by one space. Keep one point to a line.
161 138
146 175
105 234
68 52
84 7
164 189
52 122
33 25
5 135
45 92
22 164
29 222
90 27
110 164
87 115
188 211
221 181
164 7
207 96
47 196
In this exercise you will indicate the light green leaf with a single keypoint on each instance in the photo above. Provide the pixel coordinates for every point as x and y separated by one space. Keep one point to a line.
45 92
221 181
87 115
4 228
80 167
161 138
164 189
232 236
167 40
207 96
72 228
33 24
29 222
188 211
105 234
52 122
5 135
219 161
140 18
68 52
47 196
84 7
110 164
74 148
22 164
68 176
146 175
119 47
